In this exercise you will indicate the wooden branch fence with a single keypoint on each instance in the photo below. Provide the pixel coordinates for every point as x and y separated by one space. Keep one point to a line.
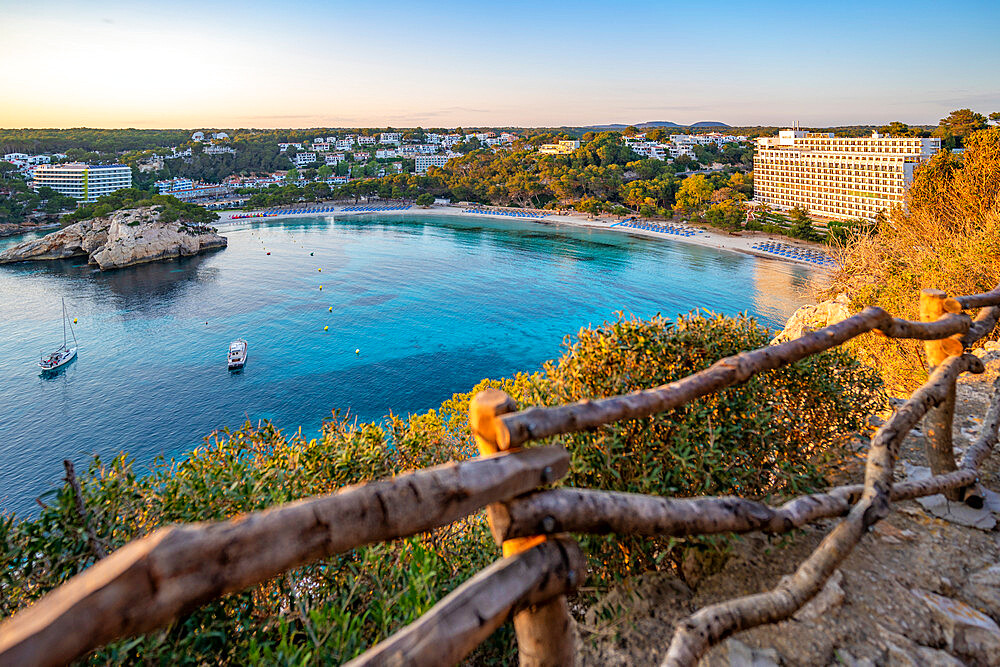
154 580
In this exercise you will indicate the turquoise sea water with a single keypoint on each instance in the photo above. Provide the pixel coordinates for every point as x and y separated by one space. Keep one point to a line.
434 304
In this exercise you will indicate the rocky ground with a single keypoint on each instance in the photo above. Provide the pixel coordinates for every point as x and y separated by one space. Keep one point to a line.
919 590
125 237
10 228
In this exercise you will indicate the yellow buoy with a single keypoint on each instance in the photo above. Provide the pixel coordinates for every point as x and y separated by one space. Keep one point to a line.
326 328
320 270
74 319
321 287
357 351
331 310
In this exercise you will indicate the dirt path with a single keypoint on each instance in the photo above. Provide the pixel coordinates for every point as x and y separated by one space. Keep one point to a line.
918 591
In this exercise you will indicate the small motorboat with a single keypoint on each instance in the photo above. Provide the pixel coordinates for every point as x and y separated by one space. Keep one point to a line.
237 354
65 353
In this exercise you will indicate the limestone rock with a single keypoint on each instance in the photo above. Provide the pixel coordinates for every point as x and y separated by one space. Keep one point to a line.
952 511
831 597
969 633
741 655
844 657
126 237
983 588
812 317
904 652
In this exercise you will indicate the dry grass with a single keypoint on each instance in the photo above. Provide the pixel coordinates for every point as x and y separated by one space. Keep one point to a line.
948 238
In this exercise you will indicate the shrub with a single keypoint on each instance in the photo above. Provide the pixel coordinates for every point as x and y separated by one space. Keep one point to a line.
322 613
129 198
948 239
769 436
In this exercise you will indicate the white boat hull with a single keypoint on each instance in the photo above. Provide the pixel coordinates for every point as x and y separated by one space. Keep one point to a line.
237 354
52 364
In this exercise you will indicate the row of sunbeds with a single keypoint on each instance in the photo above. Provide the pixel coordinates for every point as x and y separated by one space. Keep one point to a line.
792 252
677 230
376 209
509 214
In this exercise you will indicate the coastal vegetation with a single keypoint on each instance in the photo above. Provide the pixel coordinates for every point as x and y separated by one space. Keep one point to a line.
172 208
947 238
18 201
773 436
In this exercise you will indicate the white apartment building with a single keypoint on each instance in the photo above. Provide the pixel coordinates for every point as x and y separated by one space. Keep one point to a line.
651 150
678 150
333 159
390 138
386 153
212 149
837 177
83 182
206 191
284 147
16 157
366 141
220 135
198 136
302 159
423 162
344 144
173 184
320 146
561 148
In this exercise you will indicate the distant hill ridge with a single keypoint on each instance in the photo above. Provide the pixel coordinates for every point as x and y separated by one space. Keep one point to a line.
654 124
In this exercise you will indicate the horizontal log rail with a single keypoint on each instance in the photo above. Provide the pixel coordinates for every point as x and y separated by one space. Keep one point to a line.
468 615
152 581
696 634
537 423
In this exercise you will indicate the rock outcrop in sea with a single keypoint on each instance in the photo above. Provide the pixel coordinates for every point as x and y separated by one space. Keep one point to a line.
815 316
123 238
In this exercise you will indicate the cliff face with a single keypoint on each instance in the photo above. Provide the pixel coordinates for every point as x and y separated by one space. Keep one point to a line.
121 239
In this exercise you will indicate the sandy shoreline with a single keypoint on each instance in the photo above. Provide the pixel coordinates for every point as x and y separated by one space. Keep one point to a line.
706 238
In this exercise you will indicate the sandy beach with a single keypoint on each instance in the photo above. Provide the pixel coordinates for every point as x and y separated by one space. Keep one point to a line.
705 237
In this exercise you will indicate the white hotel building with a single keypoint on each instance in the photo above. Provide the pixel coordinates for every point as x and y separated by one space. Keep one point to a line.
423 162
837 177
83 182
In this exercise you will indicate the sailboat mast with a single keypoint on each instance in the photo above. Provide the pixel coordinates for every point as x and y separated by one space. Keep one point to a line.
64 321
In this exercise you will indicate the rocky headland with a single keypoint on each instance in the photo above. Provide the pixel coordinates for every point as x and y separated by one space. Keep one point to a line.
11 228
123 238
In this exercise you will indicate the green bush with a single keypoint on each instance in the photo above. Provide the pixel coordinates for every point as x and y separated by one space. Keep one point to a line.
171 208
767 437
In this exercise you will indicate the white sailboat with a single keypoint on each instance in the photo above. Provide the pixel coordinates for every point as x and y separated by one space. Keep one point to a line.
65 353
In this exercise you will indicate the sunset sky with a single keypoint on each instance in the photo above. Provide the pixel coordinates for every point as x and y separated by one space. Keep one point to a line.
305 64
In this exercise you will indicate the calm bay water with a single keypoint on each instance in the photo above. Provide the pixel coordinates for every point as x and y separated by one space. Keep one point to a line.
433 303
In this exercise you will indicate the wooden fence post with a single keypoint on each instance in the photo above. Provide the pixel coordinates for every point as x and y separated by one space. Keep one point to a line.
544 631
938 422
